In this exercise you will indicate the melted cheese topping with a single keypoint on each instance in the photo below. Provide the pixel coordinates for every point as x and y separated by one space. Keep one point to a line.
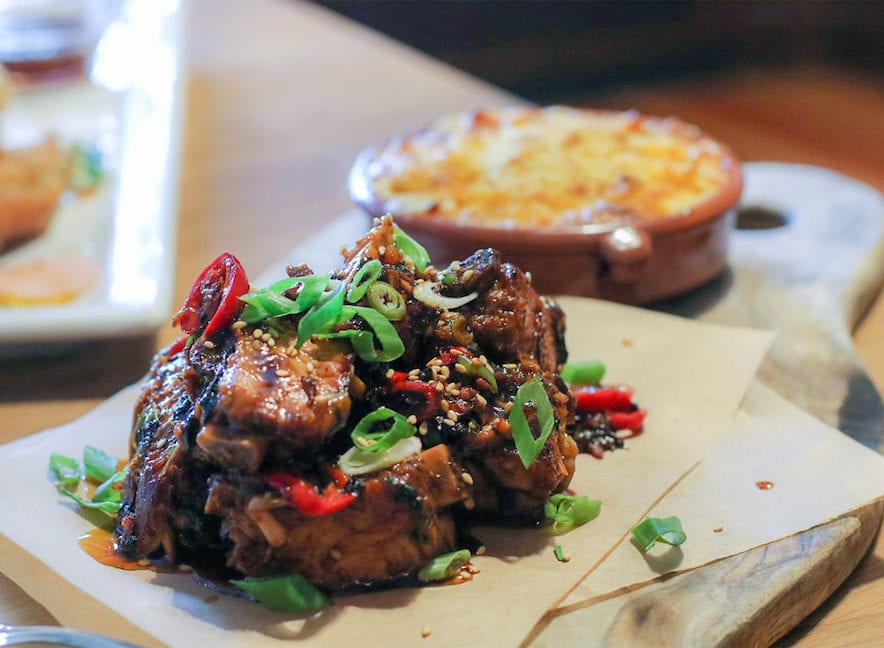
551 166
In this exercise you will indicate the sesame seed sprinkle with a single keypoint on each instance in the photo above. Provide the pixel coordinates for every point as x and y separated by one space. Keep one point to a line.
209 344
257 333
239 324
412 419
310 367
467 478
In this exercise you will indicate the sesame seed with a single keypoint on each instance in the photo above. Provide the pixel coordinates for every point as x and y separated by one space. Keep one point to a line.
435 362
381 250
266 337
271 342
718 529
445 406
467 478
425 631
481 550
448 422
455 265
476 362
389 373
365 443
510 365
310 367
440 387
528 276
209 344
468 274
562 398
423 429
239 324
481 401
257 333
469 503
412 419
456 351
624 434
459 368
282 373
451 414
335 553
256 344
445 372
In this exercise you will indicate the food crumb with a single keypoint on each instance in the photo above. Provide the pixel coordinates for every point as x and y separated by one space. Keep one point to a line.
627 342
425 632
718 529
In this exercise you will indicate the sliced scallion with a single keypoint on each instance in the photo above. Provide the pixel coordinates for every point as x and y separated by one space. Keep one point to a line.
652 530
292 593
412 249
111 508
366 436
529 447
589 372
480 370
444 566
66 469
357 461
323 316
363 279
566 512
391 344
99 465
108 491
386 300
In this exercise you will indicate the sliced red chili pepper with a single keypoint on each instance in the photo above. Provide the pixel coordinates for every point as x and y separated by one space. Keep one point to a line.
338 476
397 377
307 498
214 301
177 346
450 356
603 400
627 420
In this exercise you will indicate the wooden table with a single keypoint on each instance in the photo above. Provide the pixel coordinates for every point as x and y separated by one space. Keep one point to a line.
281 97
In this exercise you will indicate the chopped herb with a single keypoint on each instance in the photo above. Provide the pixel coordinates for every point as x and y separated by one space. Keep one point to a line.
589 372
569 511
531 393
444 566
99 465
292 593
366 439
652 530
412 249
65 469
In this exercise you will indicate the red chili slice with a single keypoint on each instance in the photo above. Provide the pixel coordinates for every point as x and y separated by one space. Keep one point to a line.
213 301
398 384
595 400
176 347
627 420
307 498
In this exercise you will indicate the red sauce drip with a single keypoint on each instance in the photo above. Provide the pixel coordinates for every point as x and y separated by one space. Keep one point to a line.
465 575
99 543
764 485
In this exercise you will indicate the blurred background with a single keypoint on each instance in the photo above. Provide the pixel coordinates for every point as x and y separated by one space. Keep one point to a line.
813 71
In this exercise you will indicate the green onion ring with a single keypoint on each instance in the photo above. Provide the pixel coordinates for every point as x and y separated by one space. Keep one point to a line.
363 279
386 300
382 441
588 372
292 593
412 249
569 511
444 566
526 445
652 530
324 316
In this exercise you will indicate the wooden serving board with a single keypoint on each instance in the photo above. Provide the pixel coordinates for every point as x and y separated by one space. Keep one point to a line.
807 260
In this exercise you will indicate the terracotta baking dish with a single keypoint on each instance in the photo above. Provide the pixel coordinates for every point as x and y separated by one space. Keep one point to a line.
626 256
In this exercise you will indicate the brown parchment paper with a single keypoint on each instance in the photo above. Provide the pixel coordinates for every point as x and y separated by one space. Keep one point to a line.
691 377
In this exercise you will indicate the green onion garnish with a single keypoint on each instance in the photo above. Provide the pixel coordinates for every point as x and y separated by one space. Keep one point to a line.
324 316
99 465
386 300
559 552
65 469
444 566
111 508
528 447
569 511
651 530
108 491
292 593
412 249
480 370
368 440
271 302
87 170
589 372
363 279
391 344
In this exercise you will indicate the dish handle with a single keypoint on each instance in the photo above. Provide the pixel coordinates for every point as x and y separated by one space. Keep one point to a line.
626 249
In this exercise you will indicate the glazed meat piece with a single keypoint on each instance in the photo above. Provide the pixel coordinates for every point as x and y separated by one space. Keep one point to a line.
164 490
509 319
275 400
395 524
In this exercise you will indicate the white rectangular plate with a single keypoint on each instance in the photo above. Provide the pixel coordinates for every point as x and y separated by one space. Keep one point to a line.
132 112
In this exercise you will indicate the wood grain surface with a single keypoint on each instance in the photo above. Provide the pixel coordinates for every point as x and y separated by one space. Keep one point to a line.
281 97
